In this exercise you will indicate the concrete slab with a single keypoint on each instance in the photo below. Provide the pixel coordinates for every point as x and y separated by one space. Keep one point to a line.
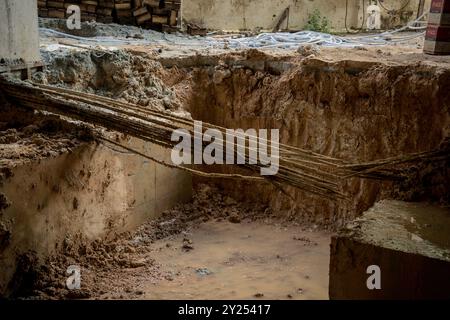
409 242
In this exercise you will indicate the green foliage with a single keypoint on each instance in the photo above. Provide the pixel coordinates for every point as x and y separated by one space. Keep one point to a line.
318 23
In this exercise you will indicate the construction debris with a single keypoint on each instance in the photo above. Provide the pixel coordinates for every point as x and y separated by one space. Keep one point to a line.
196 30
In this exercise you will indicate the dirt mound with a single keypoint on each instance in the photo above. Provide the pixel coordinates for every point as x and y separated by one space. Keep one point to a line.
117 74
26 136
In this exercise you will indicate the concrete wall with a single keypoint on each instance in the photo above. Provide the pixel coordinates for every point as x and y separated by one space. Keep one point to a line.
251 14
19 36
89 194
409 242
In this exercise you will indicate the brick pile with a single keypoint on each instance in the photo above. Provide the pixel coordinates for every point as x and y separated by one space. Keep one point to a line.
151 14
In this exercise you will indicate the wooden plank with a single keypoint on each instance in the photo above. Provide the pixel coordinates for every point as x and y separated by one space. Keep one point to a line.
140 11
59 14
159 19
284 17
122 6
152 3
173 18
143 18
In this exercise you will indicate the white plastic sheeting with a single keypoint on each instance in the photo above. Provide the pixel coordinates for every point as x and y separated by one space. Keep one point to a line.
282 40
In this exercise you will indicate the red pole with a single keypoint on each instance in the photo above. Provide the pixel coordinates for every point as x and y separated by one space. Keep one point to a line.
437 38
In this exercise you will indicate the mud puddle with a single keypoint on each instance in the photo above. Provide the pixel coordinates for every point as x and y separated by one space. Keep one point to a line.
222 260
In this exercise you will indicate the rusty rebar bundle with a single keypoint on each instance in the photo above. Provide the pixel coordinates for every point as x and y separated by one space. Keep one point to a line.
303 169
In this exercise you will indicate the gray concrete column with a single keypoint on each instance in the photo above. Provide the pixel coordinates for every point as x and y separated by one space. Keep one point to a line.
19 32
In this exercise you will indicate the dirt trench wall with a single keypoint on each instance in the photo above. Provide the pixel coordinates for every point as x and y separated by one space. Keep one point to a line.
92 193
355 111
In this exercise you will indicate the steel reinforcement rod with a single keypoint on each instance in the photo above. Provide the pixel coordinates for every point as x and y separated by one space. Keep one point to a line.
299 168
158 127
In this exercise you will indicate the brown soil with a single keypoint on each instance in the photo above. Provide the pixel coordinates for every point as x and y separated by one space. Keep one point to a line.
118 74
352 104
136 265
355 110
27 136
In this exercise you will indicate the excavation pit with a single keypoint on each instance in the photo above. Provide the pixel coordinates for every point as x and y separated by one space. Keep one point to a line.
356 110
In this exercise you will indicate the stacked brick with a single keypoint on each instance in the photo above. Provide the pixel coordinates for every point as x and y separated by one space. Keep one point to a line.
157 14
58 8
153 14
123 11
105 10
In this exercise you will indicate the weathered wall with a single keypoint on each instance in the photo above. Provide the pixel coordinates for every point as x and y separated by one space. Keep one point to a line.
90 194
252 14
19 36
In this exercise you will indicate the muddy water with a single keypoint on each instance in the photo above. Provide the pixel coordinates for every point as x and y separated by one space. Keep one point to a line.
244 261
